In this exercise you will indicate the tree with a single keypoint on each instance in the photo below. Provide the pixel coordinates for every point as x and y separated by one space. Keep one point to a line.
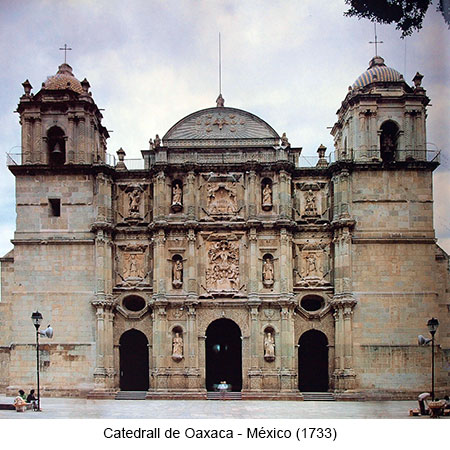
407 14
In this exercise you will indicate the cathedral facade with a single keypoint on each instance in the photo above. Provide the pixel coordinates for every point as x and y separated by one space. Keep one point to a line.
221 263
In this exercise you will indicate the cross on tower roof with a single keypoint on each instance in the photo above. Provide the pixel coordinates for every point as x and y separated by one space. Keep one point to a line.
65 48
376 41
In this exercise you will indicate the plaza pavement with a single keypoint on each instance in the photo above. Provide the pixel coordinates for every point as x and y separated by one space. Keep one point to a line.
75 408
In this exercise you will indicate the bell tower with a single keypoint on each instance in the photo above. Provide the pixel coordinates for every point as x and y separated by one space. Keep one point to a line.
382 118
61 124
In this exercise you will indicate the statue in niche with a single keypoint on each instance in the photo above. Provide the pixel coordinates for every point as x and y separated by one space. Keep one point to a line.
223 271
177 347
177 193
268 271
134 201
269 347
177 273
310 204
267 197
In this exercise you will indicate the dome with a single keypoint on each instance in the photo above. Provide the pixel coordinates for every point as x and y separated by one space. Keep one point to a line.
377 71
64 79
219 126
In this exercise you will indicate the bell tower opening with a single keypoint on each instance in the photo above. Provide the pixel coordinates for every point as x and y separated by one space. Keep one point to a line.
56 144
223 355
134 365
313 362
388 141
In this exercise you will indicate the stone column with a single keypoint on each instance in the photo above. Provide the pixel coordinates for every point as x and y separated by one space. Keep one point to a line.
37 141
189 199
27 157
191 348
104 370
160 351
81 141
253 266
252 202
287 344
159 196
192 286
285 197
286 269
159 261
344 374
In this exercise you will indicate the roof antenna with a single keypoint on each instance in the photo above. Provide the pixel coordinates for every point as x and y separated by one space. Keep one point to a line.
220 100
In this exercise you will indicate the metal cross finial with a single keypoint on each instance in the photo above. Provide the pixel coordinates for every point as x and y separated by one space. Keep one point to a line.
65 48
376 41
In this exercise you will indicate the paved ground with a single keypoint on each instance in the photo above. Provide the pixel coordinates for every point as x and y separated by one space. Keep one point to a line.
70 408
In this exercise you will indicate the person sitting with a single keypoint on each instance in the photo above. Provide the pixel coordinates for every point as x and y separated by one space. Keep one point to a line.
32 399
20 403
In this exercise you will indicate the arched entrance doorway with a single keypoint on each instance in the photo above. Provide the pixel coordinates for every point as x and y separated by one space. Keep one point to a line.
223 354
134 361
313 362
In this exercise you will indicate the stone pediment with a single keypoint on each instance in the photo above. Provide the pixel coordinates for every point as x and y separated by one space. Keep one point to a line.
219 127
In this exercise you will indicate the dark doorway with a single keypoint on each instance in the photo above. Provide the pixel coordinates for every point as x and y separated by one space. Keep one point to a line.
223 354
313 362
133 361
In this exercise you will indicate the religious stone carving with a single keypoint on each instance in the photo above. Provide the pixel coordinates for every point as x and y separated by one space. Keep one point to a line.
284 140
222 198
177 347
269 346
312 266
222 273
177 273
133 263
177 193
310 204
267 272
267 197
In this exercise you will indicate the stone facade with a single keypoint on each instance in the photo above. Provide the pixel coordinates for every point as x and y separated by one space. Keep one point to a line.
223 261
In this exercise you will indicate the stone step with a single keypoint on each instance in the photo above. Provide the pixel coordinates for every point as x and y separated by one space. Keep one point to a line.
318 396
224 395
131 395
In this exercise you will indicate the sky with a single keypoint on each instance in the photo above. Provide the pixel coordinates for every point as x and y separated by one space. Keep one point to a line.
151 63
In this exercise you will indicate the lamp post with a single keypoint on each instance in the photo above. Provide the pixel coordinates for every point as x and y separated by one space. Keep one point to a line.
432 325
36 317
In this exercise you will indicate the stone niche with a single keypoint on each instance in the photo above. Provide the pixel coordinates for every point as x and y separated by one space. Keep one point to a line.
221 197
133 265
312 264
133 203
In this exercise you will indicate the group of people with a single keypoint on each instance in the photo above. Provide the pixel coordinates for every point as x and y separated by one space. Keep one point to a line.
22 400
423 403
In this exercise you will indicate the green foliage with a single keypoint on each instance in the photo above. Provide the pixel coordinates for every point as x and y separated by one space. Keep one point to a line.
407 14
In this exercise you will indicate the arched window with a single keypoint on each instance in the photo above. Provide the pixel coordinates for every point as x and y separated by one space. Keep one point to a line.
388 140
56 144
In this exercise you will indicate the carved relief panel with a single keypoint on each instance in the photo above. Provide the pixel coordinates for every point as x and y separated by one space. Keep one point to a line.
132 265
133 203
311 202
312 265
219 194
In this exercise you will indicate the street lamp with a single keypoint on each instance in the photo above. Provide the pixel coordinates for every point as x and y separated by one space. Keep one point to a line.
432 325
36 318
